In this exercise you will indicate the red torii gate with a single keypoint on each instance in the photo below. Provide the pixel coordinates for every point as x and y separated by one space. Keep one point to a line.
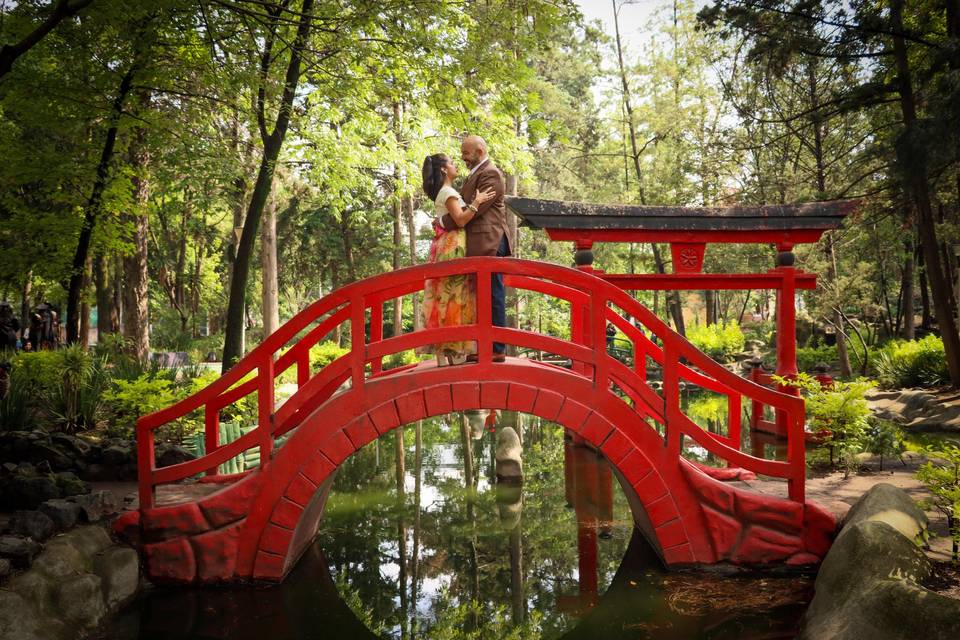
688 230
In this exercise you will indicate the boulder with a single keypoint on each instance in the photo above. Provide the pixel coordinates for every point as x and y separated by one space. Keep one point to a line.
863 552
509 456
18 620
34 524
890 609
70 485
60 560
80 601
97 504
887 503
64 513
116 456
55 456
76 446
29 492
89 540
20 551
119 571
173 454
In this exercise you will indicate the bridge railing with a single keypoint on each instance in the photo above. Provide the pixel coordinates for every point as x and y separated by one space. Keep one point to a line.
591 300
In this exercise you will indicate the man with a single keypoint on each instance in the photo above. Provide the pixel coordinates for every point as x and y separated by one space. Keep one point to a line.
487 231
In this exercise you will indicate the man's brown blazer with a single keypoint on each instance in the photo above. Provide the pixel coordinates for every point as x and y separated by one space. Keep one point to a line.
489 224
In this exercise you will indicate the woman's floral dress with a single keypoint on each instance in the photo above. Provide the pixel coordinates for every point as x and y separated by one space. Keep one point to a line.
450 301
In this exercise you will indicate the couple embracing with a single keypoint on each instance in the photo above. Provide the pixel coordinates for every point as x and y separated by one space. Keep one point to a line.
461 230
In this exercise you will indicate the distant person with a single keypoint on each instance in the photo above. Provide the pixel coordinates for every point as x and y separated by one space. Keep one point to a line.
450 301
486 230
44 327
9 326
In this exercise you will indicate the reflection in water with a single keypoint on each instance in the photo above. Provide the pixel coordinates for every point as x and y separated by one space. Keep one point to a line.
437 548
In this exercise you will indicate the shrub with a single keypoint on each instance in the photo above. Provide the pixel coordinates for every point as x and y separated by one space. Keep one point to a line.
130 399
884 438
720 341
76 397
840 409
810 357
37 371
324 353
912 363
941 475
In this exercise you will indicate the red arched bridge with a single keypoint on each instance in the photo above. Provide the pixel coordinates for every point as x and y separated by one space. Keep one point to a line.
257 524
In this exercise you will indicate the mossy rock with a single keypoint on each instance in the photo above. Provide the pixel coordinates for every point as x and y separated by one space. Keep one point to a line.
887 503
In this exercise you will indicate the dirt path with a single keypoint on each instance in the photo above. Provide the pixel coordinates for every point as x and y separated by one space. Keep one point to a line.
837 494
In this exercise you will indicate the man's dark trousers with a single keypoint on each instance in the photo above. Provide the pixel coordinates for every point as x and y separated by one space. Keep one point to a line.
499 295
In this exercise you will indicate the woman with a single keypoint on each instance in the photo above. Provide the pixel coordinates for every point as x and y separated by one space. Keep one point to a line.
450 301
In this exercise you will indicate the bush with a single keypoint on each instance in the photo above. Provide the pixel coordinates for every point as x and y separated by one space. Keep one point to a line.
720 341
912 363
941 475
324 353
130 399
810 357
840 409
884 438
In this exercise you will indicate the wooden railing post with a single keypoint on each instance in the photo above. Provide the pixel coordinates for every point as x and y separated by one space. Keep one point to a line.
303 368
598 336
376 332
265 409
146 465
358 347
211 432
671 397
484 317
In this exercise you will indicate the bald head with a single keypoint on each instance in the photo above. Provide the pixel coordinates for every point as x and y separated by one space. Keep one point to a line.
473 150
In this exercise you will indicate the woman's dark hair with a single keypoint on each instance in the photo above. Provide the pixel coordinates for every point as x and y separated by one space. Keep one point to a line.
432 174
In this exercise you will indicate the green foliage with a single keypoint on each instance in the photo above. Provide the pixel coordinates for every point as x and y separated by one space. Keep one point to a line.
810 357
720 341
841 409
912 363
941 475
36 371
763 331
884 438
324 353
130 399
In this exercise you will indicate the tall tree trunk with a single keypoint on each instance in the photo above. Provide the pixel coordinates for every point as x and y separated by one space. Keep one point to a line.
268 255
107 319
135 275
926 319
85 305
272 143
92 210
917 184
907 311
710 302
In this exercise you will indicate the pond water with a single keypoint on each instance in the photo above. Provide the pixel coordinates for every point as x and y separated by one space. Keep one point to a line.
451 553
